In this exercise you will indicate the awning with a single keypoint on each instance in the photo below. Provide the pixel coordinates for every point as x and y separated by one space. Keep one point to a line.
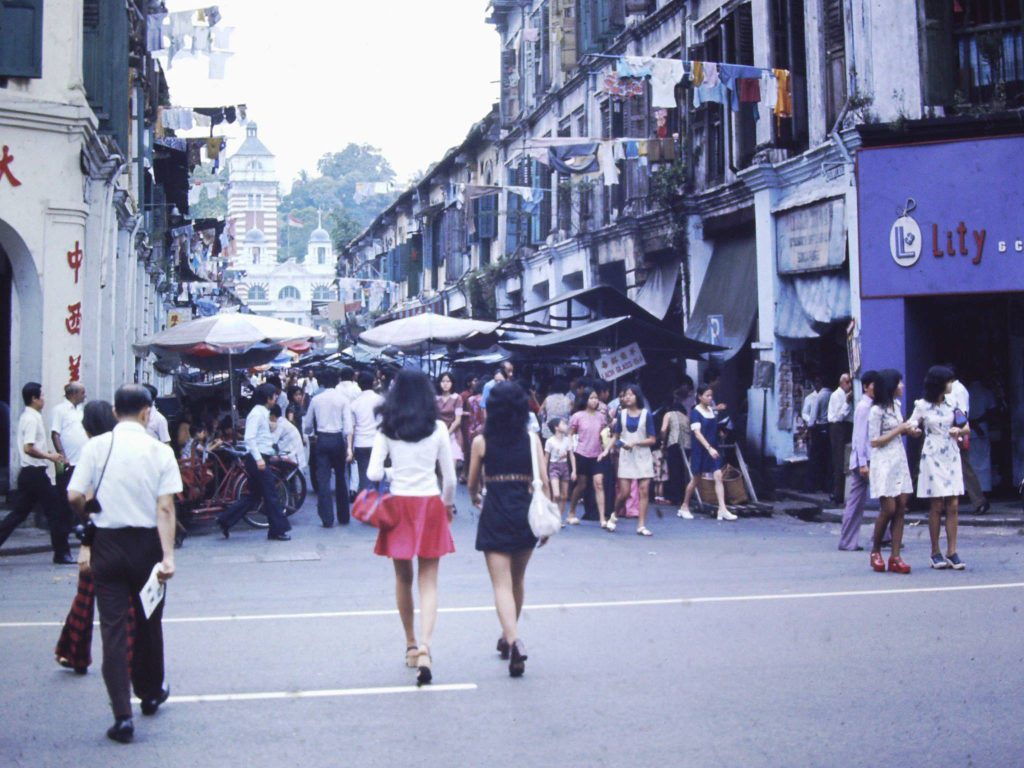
656 294
727 303
604 301
612 333
808 304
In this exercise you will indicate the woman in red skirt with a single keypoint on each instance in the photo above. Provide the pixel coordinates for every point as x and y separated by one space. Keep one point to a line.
417 444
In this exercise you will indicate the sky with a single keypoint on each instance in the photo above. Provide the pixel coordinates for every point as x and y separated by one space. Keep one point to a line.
407 76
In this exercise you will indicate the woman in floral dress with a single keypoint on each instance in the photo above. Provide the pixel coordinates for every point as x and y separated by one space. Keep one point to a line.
889 471
941 478
449 410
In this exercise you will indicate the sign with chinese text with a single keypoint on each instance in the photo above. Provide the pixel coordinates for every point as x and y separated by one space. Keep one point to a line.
620 362
811 238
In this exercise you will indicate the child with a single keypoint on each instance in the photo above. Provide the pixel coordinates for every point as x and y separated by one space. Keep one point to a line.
561 465
196 443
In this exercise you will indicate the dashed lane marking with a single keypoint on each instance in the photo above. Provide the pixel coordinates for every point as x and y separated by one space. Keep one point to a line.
682 601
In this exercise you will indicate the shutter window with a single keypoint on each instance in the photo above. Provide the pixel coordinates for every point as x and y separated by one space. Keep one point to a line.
835 59
937 52
21 38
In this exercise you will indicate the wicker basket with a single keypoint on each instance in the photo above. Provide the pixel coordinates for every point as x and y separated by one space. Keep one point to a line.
735 489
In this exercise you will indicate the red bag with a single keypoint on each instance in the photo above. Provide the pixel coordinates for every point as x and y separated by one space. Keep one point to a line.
371 506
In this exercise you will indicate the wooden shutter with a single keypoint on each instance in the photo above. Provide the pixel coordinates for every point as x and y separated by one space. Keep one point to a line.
509 86
937 52
835 59
585 26
428 244
21 38
487 217
569 35
637 120
105 65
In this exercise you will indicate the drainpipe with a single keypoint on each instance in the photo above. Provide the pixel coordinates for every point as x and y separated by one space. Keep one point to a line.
851 87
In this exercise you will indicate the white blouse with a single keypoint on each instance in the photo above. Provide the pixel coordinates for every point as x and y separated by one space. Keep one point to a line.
412 471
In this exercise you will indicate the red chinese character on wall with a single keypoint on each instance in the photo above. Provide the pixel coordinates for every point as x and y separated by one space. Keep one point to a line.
5 167
75 258
73 322
74 367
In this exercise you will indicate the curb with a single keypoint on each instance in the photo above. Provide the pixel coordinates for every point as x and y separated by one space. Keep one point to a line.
33 549
972 521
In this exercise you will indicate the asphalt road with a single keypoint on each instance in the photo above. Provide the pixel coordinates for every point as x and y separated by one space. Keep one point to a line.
753 643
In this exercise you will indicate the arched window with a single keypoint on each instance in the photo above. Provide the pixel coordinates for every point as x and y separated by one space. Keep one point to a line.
289 292
321 255
322 293
257 293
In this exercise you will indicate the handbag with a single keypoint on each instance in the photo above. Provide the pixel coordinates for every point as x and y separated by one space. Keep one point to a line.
371 506
545 519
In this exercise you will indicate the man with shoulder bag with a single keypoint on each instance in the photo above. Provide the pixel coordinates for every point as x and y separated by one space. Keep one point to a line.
133 479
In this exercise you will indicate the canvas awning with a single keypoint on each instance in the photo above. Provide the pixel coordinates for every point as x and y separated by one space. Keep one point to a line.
612 333
727 303
656 294
808 304
601 300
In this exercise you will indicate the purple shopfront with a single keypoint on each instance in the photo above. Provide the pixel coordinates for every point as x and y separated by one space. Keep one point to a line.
942 278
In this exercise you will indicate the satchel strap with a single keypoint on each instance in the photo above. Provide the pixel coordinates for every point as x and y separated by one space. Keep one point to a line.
535 461
96 491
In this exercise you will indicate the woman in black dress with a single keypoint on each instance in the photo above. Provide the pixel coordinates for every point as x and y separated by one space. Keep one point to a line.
500 460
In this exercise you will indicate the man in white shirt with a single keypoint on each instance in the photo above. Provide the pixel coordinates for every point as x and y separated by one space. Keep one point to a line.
134 478
813 413
259 444
34 485
69 437
328 421
157 423
347 384
364 424
840 431
960 399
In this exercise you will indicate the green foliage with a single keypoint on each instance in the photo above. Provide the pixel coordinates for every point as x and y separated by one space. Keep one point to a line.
334 192
207 207
667 183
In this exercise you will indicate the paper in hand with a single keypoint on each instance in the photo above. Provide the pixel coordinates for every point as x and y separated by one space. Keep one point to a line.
152 592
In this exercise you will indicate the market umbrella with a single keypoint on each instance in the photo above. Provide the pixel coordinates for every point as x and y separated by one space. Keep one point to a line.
426 329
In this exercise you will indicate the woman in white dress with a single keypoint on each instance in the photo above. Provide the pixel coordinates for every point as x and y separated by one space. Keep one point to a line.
889 470
941 478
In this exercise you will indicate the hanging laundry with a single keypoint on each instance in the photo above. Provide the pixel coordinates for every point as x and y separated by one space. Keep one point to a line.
195 194
201 120
575 158
230 114
784 99
606 162
172 142
195 157
697 73
531 35
213 15
619 151
632 150
214 114
710 74
176 118
769 89
222 37
242 114
661 150
200 40
158 126
704 94
749 90
665 76
155 32
661 123
218 63
634 66
531 197
212 188
622 87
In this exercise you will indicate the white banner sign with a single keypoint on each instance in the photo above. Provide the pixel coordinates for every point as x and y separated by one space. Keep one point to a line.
620 362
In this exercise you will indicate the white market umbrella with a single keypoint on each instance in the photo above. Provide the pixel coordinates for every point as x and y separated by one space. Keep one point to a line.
232 333
426 328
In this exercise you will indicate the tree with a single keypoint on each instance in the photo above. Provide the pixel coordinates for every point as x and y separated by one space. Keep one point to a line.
208 207
334 193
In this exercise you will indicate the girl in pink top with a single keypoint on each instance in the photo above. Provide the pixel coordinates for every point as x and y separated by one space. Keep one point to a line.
586 425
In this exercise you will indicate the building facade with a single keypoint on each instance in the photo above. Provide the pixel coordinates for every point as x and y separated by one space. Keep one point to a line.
83 274
749 225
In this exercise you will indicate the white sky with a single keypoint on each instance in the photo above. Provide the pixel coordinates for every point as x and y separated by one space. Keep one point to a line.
407 76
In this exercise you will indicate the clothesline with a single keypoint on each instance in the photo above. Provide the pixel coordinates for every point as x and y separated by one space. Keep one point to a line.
660 58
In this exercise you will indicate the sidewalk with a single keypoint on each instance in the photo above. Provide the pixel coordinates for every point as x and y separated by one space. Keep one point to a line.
817 507
29 540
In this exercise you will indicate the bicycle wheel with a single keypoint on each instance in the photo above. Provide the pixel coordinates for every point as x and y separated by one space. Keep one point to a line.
296 492
257 518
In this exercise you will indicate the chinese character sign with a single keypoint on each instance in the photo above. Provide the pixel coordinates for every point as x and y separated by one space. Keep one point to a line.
73 322
6 159
620 362
74 367
75 258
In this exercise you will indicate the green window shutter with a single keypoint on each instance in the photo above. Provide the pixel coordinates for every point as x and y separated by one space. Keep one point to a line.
937 52
105 65
21 38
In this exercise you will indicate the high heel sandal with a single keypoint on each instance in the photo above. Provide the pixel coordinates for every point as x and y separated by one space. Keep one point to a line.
423 663
503 648
412 654
517 663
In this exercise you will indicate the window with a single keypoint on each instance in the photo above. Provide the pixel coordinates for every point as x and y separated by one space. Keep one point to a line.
835 59
257 293
105 36
322 293
289 292
321 255
789 51
255 255
21 38
987 41
709 118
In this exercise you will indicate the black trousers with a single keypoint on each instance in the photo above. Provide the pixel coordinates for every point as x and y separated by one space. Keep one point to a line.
261 487
839 434
331 452
362 464
122 560
34 487
675 488
819 454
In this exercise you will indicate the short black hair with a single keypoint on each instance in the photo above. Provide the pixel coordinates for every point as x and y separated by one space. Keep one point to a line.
346 373
868 378
152 391
365 380
584 398
553 423
885 387
274 380
293 390
328 378
195 429
131 399
559 385
445 375
31 391
507 413
641 401
935 382
263 393
275 411
98 418
409 412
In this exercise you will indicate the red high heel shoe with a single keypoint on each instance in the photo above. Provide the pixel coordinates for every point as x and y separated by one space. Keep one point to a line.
896 565
877 563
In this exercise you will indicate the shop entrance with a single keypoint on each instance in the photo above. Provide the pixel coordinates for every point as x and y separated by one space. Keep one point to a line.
983 337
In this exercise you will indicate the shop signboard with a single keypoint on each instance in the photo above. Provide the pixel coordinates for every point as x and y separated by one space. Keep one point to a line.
942 218
620 362
811 238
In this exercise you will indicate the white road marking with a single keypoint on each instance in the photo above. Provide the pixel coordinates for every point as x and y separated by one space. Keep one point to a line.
321 694
563 606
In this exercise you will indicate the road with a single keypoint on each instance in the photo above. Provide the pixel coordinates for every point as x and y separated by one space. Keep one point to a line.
752 643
